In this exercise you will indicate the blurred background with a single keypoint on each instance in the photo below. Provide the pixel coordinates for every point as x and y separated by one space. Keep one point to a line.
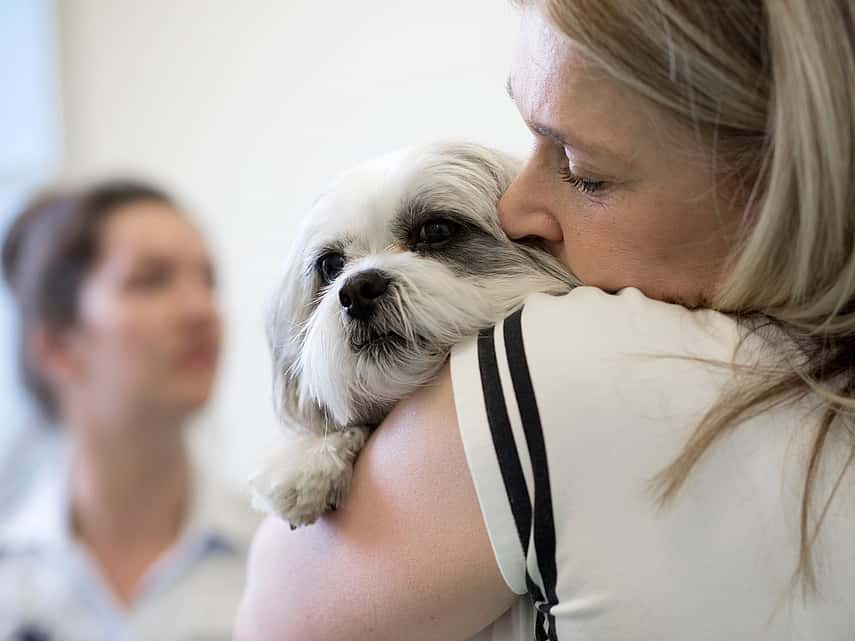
244 110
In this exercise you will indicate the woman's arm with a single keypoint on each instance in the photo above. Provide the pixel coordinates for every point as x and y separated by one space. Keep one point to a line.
406 556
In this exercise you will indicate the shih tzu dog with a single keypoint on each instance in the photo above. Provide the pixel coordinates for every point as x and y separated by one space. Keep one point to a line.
398 261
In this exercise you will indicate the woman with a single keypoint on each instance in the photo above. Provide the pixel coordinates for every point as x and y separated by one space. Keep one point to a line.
643 471
120 342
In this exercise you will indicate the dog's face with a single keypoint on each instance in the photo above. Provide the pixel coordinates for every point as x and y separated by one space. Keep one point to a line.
401 259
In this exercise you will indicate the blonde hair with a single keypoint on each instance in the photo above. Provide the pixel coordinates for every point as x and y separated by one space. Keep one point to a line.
769 84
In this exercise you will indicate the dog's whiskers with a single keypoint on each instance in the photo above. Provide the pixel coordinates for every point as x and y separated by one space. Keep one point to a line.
408 329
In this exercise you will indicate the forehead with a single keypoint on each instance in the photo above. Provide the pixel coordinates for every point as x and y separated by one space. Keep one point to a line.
144 228
555 86
362 202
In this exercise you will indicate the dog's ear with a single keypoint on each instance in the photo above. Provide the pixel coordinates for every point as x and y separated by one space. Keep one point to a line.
287 314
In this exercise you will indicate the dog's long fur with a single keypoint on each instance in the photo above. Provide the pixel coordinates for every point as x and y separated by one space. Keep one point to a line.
337 377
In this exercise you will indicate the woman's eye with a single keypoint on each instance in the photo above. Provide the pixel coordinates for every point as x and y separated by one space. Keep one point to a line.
584 185
150 279
330 266
437 231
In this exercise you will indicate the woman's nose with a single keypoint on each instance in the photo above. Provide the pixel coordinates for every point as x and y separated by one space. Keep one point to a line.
200 302
525 210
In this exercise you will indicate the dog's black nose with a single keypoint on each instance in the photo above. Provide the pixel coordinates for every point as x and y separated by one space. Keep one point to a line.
358 294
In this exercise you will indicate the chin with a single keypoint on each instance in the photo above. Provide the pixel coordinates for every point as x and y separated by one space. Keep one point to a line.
400 260
187 398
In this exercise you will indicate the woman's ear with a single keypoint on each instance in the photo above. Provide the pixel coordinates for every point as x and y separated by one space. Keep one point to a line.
55 354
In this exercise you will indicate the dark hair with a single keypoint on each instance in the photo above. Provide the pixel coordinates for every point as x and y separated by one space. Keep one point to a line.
48 251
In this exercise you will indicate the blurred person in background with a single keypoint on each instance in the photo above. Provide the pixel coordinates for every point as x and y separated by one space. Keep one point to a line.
125 538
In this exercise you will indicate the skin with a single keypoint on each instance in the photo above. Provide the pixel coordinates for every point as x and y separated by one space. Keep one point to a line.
139 360
658 221
660 224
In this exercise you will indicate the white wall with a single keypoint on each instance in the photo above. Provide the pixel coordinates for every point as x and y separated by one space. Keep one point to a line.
29 154
246 109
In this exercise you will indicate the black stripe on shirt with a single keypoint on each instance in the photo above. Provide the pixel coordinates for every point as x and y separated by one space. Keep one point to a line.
503 437
509 462
544 521
506 448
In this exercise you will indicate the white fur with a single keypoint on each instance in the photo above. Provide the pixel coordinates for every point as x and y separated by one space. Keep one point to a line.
329 393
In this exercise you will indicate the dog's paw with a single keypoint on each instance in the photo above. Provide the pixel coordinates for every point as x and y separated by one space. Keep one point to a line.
309 477
305 498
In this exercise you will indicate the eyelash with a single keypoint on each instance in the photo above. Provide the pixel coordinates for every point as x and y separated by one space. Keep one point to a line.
584 185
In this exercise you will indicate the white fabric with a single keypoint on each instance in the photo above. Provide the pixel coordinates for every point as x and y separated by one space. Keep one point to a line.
618 398
51 590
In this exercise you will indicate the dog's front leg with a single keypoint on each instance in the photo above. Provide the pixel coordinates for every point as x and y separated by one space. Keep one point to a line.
309 476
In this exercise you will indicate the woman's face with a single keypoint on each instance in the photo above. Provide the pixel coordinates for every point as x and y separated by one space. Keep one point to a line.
148 336
623 196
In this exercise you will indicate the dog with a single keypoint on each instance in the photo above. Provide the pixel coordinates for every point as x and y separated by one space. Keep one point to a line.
399 260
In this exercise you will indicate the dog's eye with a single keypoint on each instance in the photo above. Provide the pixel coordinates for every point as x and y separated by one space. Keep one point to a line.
330 266
438 231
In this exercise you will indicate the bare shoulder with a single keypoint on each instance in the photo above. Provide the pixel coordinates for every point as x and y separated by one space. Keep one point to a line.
407 552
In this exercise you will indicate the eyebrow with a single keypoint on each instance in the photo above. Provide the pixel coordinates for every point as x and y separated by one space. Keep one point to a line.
565 140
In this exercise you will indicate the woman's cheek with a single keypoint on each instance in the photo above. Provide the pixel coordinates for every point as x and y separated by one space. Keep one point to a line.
588 251
142 338
612 248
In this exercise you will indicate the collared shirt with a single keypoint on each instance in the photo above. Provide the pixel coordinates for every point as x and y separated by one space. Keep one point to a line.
51 589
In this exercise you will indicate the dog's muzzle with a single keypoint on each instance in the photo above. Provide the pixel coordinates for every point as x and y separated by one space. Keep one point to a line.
359 295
